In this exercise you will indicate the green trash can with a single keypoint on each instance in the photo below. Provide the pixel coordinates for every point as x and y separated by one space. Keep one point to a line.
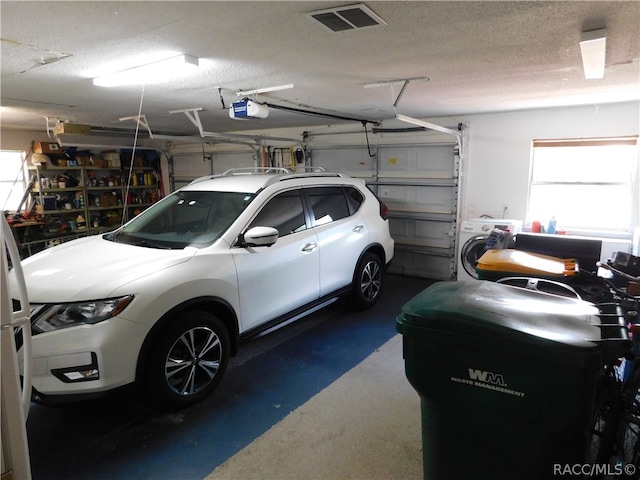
506 379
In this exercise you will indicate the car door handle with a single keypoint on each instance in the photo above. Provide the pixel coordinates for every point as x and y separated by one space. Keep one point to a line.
310 247
358 228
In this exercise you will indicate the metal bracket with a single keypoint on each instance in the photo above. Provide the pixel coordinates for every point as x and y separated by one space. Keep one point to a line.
142 120
433 126
192 115
256 91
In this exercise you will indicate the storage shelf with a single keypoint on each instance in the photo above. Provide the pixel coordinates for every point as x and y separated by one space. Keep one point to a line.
57 190
62 211
107 217
102 209
105 188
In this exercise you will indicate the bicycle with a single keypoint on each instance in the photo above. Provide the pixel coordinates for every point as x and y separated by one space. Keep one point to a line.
615 426
614 430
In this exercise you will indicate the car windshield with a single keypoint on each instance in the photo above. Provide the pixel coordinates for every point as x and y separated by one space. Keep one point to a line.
185 218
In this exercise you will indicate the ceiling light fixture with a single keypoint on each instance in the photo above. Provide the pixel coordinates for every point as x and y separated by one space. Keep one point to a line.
150 73
593 48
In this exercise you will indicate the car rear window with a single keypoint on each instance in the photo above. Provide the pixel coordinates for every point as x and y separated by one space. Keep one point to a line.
328 204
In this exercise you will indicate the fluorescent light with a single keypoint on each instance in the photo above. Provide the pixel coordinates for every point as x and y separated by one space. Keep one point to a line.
150 73
593 47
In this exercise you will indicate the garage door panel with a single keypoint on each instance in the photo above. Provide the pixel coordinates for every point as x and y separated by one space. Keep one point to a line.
355 162
424 264
418 198
186 167
417 162
419 232
223 162
419 185
193 166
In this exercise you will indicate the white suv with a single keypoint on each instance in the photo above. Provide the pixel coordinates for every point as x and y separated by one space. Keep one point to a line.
163 301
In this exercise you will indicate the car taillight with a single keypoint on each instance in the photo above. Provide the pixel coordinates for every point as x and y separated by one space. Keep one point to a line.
384 211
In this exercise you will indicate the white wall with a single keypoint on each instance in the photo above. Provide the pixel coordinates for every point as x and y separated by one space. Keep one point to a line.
20 140
499 150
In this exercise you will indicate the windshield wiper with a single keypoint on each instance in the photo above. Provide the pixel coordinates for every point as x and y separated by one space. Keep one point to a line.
145 243
120 236
112 236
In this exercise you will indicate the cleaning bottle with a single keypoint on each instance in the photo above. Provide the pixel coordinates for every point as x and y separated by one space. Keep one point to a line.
552 225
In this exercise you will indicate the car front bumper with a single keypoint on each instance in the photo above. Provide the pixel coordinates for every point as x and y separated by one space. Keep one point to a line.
86 359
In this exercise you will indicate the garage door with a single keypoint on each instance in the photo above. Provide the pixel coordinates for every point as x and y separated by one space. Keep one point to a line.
185 166
419 184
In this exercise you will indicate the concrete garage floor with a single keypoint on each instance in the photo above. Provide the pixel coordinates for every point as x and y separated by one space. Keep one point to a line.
323 398
365 425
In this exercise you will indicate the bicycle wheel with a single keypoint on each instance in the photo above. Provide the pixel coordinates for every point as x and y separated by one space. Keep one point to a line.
628 437
605 421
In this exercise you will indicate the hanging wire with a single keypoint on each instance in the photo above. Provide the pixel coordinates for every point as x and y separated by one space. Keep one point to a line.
366 133
133 154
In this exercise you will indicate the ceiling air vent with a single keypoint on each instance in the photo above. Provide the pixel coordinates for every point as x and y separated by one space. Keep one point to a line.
348 17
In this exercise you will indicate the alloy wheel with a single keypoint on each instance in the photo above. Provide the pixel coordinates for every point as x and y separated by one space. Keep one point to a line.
193 361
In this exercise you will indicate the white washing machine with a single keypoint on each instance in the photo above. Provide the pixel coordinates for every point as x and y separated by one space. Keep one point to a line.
474 234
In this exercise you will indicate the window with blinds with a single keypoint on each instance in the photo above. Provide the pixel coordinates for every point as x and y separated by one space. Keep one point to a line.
585 184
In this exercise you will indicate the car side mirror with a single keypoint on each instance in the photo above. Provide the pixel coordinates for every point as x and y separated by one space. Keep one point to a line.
258 237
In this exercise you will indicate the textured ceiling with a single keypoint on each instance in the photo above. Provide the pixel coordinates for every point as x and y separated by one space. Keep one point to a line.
479 56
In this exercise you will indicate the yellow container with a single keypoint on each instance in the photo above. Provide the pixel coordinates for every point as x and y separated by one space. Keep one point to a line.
518 262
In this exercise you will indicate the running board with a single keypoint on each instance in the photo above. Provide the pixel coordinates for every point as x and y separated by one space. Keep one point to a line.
278 323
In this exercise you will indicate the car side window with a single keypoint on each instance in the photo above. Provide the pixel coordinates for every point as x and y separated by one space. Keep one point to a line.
354 199
283 212
328 204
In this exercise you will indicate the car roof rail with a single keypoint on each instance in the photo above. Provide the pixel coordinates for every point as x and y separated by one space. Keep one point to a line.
295 176
309 172
203 179
243 171
255 170
280 173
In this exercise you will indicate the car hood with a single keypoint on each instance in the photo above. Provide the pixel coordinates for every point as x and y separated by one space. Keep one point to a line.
91 268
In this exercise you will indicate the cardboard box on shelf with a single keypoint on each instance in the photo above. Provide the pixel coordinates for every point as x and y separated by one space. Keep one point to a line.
112 157
113 218
99 162
71 128
83 160
47 148
108 200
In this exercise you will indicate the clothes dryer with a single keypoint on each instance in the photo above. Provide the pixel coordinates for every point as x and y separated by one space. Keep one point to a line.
474 234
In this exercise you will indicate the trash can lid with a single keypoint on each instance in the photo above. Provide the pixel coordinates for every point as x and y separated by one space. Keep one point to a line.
502 311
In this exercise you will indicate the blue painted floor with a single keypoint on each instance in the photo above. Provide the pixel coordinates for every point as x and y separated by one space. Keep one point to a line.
116 438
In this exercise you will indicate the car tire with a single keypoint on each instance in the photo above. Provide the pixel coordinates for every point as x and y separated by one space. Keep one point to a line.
367 281
188 360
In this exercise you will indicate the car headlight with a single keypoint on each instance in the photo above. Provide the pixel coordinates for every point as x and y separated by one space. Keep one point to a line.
67 315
